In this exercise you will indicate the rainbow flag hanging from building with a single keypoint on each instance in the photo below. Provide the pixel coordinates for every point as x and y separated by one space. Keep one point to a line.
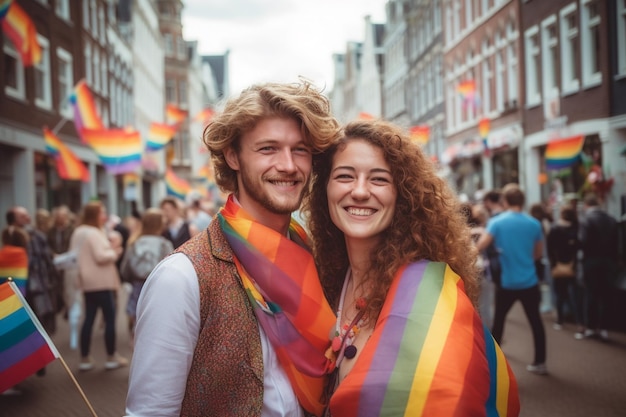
159 135
483 130
25 346
563 153
176 186
19 27
69 166
175 114
204 116
467 90
420 134
119 150
85 112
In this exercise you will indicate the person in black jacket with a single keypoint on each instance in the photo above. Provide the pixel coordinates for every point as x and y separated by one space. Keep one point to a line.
599 241
563 245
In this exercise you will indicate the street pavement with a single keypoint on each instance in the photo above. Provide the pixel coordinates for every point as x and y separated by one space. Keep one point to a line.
586 377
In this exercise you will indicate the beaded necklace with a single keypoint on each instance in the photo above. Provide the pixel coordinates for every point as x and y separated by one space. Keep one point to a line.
345 334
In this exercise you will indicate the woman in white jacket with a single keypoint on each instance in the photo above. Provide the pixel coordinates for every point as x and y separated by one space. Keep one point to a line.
99 280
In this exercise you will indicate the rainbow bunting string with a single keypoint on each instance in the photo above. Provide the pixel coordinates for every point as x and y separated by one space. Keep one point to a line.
563 153
420 134
175 114
25 346
69 166
119 150
176 186
159 135
21 30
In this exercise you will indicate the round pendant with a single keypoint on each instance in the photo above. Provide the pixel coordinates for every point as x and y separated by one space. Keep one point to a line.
350 352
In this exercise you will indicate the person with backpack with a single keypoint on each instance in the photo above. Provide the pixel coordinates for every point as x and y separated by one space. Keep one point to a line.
142 256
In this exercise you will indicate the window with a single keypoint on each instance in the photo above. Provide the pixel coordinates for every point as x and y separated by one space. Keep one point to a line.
182 49
66 81
500 79
62 9
104 74
170 91
94 18
102 24
621 37
549 55
569 49
468 13
43 90
437 16
438 79
96 69
88 67
512 71
486 93
182 92
13 71
169 44
533 66
86 14
590 37
112 98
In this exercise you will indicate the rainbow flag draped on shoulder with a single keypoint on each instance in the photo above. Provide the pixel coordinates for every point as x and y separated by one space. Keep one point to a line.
281 280
430 355
24 345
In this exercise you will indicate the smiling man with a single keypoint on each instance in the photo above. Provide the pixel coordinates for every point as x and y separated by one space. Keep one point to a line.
235 322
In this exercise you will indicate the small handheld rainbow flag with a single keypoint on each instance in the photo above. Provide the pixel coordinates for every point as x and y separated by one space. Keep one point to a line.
68 165
175 114
85 112
14 264
25 346
118 149
176 186
159 135
563 153
21 30
420 134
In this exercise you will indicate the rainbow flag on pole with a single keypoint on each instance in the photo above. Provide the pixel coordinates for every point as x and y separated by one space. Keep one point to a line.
176 186
175 114
159 135
119 150
420 134
204 116
562 153
85 112
68 165
19 27
25 347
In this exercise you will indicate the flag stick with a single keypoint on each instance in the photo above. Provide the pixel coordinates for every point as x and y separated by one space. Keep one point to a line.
82 394
59 125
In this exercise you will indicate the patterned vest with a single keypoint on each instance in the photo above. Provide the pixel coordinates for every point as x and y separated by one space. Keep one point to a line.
226 375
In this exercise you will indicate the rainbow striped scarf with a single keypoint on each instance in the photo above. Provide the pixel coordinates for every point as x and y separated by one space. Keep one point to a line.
429 355
281 281
14 264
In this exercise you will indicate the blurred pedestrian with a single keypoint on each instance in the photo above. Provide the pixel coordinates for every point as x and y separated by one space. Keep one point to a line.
492 201
562 248
142 256
99 280
599 242
177 230
519 240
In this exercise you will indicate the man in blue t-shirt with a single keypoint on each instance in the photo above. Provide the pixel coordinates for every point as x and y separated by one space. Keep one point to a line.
519 240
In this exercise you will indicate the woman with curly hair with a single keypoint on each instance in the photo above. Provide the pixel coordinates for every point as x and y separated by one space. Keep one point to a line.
397 263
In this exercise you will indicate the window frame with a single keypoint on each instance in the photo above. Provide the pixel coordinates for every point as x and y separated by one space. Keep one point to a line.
63 55
43 68
19 92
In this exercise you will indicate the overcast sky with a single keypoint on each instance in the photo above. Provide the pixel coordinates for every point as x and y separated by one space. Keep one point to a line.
277 40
